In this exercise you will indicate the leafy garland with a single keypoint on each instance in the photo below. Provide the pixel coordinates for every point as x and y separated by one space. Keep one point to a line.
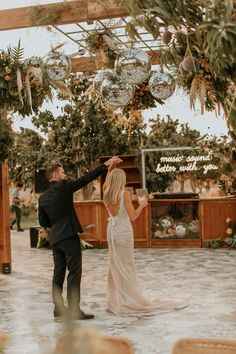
24 84
200 41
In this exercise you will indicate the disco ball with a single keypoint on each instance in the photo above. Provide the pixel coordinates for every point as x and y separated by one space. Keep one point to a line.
100 77
181 229
133 66
57 66
161 85
165 221
116 92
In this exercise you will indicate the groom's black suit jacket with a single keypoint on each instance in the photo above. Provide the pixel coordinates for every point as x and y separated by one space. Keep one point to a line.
56 208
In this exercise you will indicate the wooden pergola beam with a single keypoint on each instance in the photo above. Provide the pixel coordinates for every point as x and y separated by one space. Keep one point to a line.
61 13
90 64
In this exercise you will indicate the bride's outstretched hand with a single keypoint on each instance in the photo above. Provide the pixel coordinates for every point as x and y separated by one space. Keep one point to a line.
112 166
113 160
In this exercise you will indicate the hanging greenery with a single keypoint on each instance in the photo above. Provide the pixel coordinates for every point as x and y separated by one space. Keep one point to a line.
199 39
25 84
142 99
101 42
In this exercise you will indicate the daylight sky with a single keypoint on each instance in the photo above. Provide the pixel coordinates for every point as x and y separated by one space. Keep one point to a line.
38 41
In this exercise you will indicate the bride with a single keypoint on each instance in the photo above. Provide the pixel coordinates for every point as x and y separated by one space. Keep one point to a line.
123 294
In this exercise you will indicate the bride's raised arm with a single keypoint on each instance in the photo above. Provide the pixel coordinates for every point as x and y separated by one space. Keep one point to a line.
110 168
133 213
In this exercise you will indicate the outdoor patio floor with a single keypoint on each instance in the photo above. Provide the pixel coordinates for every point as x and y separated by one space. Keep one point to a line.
205 278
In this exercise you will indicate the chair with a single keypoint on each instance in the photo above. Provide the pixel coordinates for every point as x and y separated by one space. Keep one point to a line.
87 340
204 346
118 345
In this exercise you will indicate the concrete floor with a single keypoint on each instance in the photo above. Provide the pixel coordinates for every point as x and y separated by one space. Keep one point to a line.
205 278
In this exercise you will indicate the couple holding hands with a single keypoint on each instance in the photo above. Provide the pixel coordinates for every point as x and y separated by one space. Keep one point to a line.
56 211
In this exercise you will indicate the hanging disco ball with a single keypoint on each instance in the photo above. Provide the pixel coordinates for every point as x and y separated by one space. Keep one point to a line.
116 92
161 85
133 66
181 229
57 66
100 77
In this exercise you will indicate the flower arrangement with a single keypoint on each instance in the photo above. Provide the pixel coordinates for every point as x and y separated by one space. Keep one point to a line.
231 233
100 42
199 41
25 84
229 241
143 99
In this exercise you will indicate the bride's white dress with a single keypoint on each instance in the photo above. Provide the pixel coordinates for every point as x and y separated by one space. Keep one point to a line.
123 293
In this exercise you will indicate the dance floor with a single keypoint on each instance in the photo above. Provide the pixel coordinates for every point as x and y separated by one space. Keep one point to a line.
205 278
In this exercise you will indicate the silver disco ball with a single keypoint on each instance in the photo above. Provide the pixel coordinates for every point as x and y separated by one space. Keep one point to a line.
133 66
181 229
165 221
100 77
161 85
57 66
116 92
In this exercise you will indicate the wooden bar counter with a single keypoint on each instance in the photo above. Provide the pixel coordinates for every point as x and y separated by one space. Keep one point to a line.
204 219
94 218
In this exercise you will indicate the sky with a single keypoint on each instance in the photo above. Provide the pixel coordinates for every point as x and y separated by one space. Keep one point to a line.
38 42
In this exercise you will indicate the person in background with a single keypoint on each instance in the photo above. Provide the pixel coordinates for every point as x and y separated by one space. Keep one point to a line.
56 211
16 206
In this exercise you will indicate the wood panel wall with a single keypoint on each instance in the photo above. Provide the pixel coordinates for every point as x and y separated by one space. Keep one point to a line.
213 215
94 212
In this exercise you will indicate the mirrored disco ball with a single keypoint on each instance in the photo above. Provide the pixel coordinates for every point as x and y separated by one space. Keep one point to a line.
181 229
57 66
116 92
133 66
161 85
99 78
165 221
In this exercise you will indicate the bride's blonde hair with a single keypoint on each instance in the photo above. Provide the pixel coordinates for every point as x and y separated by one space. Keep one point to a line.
114 184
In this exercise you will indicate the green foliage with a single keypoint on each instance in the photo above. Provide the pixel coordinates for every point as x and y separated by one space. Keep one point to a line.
6 139
26 155
165 133
11 96
215 243
231 241
86 130
203 30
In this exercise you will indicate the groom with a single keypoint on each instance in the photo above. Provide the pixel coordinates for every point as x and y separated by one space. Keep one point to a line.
56 211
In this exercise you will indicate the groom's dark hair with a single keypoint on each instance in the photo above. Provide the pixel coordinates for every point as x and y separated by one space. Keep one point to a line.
51 169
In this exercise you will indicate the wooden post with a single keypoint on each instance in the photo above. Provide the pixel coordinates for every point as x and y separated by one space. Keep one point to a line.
5 241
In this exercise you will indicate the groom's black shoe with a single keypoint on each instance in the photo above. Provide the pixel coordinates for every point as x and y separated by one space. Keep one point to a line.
60 312
80 315
85 316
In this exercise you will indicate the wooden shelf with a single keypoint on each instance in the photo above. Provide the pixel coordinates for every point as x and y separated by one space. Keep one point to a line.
129 165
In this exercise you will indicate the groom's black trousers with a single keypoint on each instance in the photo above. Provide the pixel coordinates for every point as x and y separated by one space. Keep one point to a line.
67 255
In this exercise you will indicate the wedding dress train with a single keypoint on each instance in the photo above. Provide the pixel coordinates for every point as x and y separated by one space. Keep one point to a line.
123 293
